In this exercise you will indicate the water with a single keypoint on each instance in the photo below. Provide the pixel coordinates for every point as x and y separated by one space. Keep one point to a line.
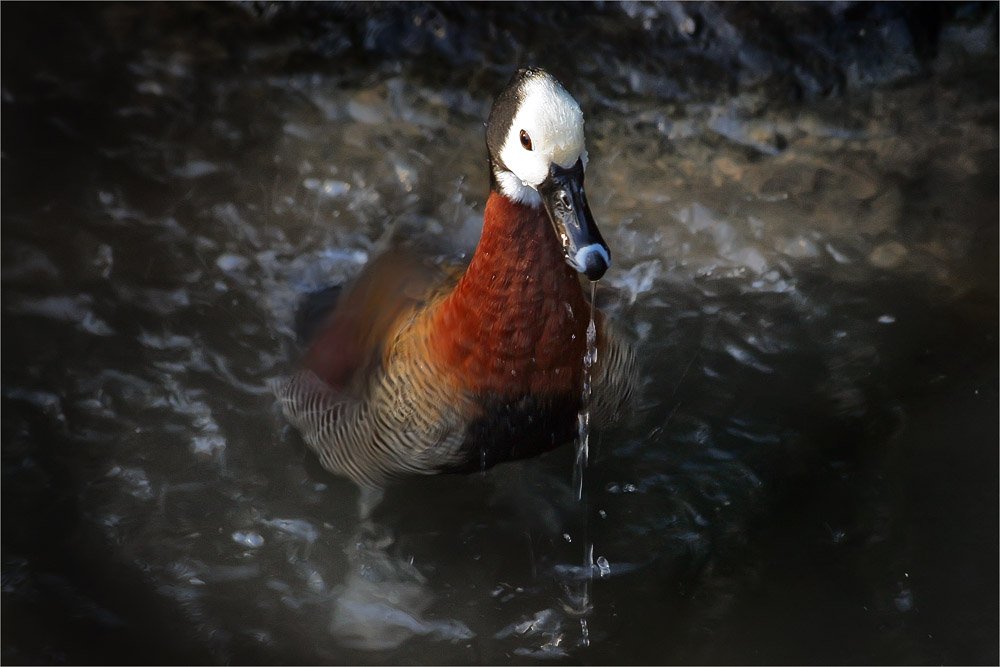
579 587
583 419
805 241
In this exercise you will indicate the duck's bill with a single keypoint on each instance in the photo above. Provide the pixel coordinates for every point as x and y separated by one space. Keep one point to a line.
566 203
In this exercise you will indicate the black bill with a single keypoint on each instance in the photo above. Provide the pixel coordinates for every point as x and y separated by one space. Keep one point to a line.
565 202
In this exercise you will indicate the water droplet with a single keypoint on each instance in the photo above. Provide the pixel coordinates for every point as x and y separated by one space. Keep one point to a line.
248 539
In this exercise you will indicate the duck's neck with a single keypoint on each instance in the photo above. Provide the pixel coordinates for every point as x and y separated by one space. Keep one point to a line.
516 322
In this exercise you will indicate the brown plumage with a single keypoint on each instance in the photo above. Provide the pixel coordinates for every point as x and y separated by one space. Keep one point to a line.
418 371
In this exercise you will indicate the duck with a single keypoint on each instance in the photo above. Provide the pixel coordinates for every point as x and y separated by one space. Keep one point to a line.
422 369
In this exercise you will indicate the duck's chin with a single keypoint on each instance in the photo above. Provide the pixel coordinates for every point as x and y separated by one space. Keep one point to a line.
516 190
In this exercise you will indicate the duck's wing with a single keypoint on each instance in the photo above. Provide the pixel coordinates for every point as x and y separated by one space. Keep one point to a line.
405 422
346 342
364 400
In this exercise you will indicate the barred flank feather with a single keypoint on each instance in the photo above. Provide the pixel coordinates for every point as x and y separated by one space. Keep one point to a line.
410 422
406 423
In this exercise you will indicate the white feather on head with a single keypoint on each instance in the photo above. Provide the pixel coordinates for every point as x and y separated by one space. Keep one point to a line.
553 121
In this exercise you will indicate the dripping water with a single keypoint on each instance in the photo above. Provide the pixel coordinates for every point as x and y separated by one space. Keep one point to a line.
580 604
583 417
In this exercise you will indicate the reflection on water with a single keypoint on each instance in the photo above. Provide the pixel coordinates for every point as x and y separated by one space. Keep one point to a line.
805 234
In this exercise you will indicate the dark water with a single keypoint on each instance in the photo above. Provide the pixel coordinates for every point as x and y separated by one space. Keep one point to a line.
802 203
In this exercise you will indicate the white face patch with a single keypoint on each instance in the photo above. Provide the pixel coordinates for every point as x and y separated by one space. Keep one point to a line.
553 121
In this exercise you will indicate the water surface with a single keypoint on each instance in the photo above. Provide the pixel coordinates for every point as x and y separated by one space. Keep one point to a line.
805 239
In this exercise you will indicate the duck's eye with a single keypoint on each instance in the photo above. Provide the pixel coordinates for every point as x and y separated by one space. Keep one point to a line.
525 140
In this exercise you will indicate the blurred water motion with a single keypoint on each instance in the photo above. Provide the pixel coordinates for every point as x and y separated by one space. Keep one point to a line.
802 203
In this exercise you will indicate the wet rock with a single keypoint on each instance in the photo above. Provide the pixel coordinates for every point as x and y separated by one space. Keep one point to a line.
888 255
883 212
367 107
798 247
859 185
759 136
726 167
773 182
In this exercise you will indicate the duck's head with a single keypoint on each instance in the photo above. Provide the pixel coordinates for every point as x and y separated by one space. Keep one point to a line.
537 157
